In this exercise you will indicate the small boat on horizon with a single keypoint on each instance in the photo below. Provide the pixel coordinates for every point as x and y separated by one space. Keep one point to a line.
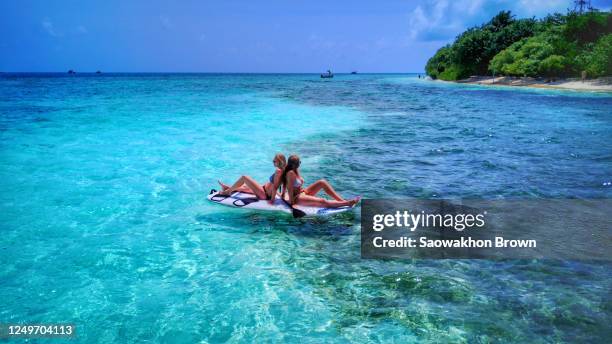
354 72
327 75
71 72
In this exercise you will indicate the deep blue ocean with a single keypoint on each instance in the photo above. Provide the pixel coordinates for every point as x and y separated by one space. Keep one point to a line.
104 221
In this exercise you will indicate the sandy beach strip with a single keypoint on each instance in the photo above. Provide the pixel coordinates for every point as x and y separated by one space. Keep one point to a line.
603 84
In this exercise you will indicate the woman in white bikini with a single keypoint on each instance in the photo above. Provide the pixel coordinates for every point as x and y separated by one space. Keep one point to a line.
293 185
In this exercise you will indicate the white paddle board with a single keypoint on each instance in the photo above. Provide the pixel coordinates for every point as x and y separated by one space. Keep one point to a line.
250 201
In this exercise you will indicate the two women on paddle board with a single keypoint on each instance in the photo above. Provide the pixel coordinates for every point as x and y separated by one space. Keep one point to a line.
287 175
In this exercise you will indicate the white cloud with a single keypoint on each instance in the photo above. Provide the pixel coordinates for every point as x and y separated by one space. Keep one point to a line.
50 28
542 7
442 20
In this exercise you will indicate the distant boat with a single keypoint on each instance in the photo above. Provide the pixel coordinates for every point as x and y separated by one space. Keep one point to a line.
354 72
71 72
327 75
98 72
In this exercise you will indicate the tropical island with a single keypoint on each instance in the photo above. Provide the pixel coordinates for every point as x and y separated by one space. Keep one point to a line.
572 50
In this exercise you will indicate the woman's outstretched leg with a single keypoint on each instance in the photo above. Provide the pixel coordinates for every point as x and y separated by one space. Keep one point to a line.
254 187
223 185
322 184
312 201
243 188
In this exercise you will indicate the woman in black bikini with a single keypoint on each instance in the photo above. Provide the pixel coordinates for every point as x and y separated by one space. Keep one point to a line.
250 185
293 184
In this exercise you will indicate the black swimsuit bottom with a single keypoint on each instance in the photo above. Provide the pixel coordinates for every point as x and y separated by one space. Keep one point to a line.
268 197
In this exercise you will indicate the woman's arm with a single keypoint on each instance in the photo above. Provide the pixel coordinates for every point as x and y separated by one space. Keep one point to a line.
290 181
275 184
277 179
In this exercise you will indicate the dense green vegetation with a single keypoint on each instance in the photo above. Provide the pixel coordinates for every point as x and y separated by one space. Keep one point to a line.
555 46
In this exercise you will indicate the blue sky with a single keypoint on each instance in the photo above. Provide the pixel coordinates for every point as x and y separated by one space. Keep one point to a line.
240 36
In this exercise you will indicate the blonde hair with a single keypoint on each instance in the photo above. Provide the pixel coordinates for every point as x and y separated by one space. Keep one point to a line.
281 158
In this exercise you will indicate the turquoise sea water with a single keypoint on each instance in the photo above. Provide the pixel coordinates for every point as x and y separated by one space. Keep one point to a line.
104 221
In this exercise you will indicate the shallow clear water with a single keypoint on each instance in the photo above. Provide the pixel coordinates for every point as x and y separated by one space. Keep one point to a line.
104 222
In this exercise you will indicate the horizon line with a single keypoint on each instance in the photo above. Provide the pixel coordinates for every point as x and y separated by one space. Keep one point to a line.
102 72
